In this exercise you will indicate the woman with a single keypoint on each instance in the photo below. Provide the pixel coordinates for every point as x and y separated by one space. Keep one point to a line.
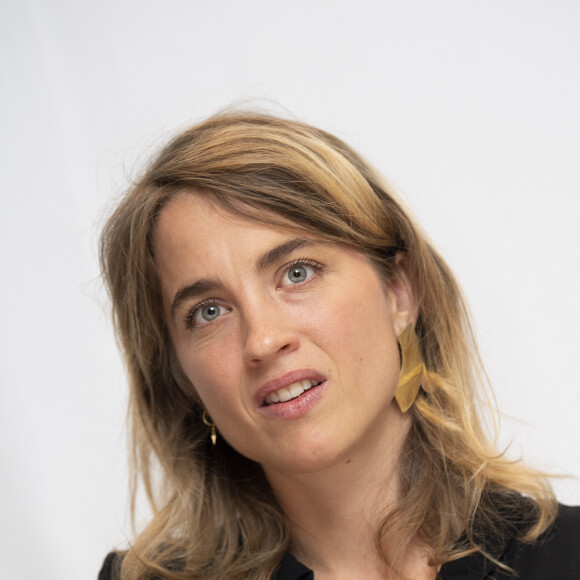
304 382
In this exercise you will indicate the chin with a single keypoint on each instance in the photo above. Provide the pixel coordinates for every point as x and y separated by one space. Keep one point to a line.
308 458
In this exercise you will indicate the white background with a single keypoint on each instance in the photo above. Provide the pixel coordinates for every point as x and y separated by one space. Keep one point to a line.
470 108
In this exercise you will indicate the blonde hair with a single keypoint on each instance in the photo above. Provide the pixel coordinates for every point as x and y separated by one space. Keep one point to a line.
215 515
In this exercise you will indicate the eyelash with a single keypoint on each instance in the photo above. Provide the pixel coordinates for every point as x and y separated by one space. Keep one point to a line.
189 324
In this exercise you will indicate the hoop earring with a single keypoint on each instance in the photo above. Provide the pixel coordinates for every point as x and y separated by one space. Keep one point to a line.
412 369
211 425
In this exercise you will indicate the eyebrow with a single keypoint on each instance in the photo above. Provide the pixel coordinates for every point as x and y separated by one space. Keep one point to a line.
192 290
281 251
265 261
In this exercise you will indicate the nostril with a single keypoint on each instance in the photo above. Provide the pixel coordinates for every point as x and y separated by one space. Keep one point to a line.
267 335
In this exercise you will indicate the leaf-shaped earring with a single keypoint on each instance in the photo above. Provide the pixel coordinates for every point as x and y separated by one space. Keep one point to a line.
412 369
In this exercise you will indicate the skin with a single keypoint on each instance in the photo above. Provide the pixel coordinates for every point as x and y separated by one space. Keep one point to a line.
320 310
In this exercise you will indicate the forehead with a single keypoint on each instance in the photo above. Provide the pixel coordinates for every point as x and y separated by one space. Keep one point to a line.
195 235
199 217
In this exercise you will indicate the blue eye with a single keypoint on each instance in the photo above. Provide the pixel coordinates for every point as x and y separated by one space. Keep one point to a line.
206 313
211 312
300 271
297 274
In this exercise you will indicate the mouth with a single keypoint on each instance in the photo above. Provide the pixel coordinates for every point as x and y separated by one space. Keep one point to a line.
288 387
292 391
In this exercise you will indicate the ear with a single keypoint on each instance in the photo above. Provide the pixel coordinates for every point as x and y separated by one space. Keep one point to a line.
404 309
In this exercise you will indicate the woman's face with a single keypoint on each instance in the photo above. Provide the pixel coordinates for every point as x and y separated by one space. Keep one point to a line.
290 342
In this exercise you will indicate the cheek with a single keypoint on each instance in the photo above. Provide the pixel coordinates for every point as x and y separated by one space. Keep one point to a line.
211 371
363 337
361 323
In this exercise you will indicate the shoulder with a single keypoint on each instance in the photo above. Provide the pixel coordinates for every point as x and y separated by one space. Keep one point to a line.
288 569
110 567
568 521
291 569
556 554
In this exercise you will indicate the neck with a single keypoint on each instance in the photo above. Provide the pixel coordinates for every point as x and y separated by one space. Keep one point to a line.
334 514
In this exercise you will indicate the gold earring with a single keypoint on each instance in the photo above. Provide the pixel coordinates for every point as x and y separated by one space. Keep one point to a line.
208 422
412 369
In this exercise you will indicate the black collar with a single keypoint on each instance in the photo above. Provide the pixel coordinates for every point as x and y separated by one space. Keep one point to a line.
472 567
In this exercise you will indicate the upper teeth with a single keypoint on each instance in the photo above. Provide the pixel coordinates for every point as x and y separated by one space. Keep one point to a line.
291 392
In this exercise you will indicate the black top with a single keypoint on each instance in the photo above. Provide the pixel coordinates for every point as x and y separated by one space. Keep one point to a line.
555 556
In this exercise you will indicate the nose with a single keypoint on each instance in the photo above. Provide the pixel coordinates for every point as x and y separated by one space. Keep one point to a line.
269 333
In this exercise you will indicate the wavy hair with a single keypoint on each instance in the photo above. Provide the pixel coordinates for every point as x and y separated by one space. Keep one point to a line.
215 515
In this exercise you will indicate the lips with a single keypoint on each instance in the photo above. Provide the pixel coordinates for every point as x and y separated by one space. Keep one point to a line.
288 387
291 392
